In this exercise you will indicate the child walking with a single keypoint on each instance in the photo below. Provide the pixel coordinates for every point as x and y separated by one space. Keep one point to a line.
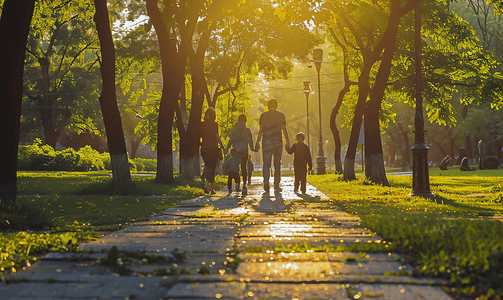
231 167
249 167
241 138
301 159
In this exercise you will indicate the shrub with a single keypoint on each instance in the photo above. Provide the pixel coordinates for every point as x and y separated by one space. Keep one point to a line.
44 158
139 165
145 165
90 160
67 160
105 157
36 157
132 165
490 162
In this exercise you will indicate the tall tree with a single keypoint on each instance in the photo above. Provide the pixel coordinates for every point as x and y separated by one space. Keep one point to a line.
64 38
14 27
340 98
373 40
173 59
373 145
108 100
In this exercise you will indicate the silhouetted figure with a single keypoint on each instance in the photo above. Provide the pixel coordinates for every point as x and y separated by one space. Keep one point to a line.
464 164
301 160
272 127
209 148
241 137
250 167
445 162
481 146
231 167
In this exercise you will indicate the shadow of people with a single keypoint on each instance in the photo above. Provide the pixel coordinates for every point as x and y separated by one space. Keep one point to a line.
272 203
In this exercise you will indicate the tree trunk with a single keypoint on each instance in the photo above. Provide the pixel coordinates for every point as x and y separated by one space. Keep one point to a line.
52 132
190 135
444 152
134 149
173 68
46 104
364 89
14 27
120 169
373 148
164 173
468 144
190 140
108 100
338 148
405 152
333 124
375 164
452 144
392 153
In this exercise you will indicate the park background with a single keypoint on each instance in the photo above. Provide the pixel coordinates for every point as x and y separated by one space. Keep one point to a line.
171 62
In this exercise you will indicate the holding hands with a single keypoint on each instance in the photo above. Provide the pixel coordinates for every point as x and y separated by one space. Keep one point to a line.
257 147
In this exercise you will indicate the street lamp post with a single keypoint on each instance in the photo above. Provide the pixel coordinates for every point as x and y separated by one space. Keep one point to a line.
320 159
420 176
307 91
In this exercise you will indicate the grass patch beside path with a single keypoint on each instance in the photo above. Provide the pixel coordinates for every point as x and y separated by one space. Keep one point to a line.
431 233
97 183
86 197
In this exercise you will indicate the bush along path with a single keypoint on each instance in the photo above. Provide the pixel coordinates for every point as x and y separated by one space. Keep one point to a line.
276 245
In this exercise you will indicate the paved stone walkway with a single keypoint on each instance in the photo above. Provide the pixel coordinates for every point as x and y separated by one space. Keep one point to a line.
215 233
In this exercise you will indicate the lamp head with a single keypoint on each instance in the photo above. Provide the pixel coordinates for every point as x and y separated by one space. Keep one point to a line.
307 87
318 58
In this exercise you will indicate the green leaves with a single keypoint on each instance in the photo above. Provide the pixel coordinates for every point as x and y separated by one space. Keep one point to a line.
280 12
22 248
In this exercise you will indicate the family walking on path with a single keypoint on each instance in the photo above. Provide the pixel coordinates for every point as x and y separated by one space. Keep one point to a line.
272 130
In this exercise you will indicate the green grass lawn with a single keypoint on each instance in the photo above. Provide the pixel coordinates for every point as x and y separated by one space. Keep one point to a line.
449 236
87 197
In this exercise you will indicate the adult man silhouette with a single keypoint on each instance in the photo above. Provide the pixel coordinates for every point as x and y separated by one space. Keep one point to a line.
481 145
272 127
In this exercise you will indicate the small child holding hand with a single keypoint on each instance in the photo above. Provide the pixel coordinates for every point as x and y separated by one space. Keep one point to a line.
231 167
249 167
301 159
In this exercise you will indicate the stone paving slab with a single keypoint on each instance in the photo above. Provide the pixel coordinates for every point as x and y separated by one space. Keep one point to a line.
168 219
271 290
291 229
98 246
194 228
211 290
215 262
306 271
69 256
295 291
184 244
61 267
370 268
100 288
397 292
285 271
190 210
243 243
318 256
